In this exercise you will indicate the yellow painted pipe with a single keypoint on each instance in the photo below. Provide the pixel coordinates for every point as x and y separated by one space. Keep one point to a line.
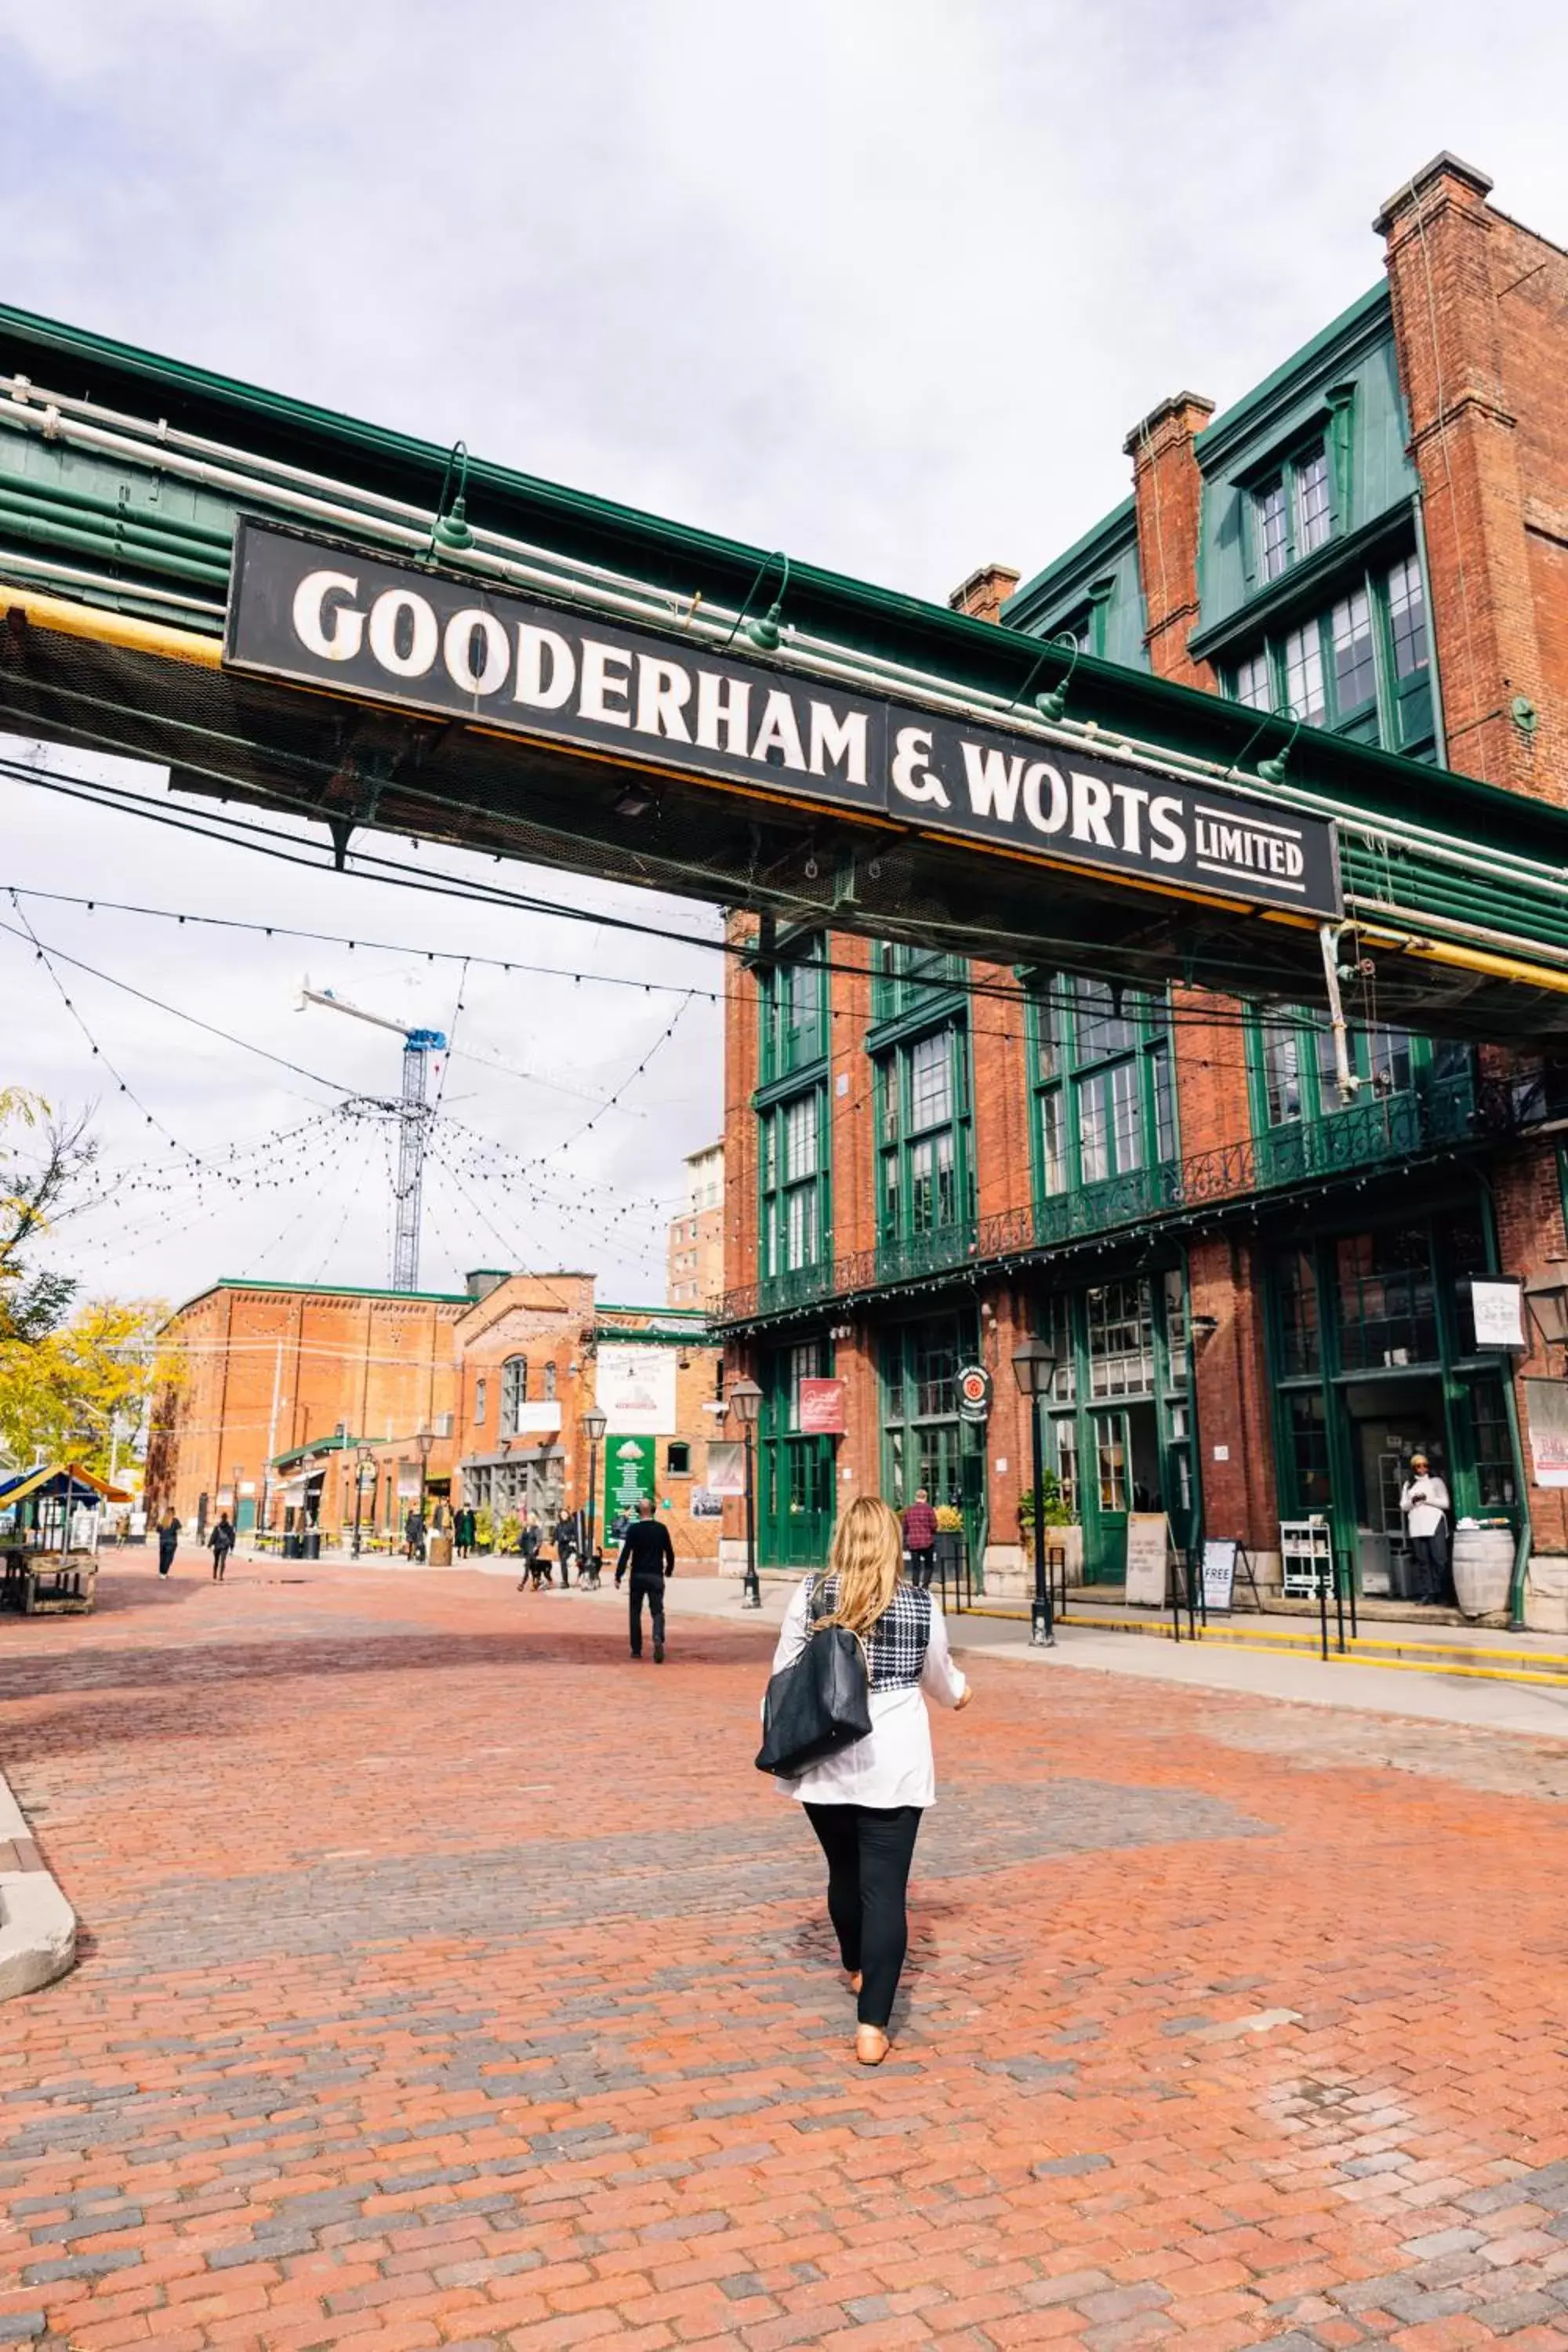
65 619
1496 967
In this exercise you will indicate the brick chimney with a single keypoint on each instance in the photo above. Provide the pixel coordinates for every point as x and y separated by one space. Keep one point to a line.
984 591
1169 491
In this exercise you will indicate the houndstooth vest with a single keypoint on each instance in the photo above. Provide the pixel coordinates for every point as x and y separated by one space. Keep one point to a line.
896 1644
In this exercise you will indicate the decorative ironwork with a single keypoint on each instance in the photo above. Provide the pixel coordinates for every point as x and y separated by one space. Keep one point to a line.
1437 1117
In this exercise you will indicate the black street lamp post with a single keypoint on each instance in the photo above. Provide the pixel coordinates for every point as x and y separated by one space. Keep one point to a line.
1034 1368
593 1425
745 1401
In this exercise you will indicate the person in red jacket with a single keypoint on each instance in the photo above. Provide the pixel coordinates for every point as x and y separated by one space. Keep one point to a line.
919 1539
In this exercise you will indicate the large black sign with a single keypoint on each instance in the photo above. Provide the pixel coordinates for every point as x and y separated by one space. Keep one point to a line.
308 609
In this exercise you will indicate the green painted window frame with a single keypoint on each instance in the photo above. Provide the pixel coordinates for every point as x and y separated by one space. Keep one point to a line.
1400 712
1480 1446
793 1012
1389 1061
1063 1067
906 980
782 1196
906 1139
912 1411
1287 475
1079 1399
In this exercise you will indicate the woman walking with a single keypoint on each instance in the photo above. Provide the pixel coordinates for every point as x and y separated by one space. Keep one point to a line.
865 1801
168 1539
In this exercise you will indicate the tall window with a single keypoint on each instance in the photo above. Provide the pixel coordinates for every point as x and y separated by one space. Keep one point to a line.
1104 1103
792 1005
480 1387
1292 512
513 1393
794 1179
903 979
1362 666
922 1122
1295 1062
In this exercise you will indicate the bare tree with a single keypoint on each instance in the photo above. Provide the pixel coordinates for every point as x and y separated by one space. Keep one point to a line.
43 1160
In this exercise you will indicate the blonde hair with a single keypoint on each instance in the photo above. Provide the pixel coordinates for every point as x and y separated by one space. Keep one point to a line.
867 1552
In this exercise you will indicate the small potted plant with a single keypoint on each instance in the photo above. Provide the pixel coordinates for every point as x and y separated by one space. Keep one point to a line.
949 1541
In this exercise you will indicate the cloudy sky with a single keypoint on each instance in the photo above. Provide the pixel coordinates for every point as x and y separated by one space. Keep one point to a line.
884 282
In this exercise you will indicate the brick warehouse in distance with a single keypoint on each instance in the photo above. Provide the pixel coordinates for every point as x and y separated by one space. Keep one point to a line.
290 1391
1258 1289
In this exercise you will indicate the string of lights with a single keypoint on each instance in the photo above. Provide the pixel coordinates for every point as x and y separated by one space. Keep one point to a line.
380 947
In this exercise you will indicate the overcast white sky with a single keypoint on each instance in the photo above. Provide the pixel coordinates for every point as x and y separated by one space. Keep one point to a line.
884 282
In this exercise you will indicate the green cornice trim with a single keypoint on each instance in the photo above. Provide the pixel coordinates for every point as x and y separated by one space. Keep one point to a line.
1368 321
1114 535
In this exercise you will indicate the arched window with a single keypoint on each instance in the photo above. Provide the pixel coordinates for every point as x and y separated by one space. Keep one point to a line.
513 1393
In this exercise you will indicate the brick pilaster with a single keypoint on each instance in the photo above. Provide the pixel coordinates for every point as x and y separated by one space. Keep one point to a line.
1451 262
1169 492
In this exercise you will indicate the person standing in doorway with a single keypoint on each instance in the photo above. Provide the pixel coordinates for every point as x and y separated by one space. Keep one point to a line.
649 1554
865 1802
222 1542
168 1540
919 1539
1424 1500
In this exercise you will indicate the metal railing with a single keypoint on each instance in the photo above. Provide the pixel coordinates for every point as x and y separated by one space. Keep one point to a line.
1423 1120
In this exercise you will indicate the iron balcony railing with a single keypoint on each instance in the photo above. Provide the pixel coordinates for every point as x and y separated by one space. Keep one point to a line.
1419 1122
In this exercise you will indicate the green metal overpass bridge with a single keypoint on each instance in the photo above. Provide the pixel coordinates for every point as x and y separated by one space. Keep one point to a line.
302 611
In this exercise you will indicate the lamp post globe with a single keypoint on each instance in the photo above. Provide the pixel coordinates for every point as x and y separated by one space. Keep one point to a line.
1035 1368
744 1400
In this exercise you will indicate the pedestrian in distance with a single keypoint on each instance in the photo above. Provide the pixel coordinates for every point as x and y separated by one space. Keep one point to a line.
168 1539
222 1542
413 1534
865 1801
463 1532
919 1539
566 1546
1424 1500
528 1543
651 1555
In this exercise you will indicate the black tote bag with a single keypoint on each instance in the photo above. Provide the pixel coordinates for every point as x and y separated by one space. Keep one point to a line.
817 1705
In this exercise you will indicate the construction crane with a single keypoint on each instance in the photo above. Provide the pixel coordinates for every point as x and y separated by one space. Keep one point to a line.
413 1125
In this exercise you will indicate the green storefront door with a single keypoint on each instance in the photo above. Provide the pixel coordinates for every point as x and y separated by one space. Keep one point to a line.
795 1473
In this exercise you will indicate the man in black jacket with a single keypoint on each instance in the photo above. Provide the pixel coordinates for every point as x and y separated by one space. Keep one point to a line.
649 1554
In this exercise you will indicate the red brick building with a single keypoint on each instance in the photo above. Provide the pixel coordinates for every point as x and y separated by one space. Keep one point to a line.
302 1402
1374 540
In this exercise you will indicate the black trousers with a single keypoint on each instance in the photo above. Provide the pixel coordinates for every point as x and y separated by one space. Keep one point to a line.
923 1565
1429 1555
651 1588
869 1849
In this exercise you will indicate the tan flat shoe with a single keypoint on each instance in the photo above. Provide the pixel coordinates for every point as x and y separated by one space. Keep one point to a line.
871 2044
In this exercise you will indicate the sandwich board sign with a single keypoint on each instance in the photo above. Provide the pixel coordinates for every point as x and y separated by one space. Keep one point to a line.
1148 1559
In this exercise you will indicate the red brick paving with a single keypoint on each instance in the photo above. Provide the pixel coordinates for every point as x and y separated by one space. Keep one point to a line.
447 1979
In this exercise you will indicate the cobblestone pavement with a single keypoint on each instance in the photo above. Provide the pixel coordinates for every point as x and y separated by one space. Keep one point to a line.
448 1979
